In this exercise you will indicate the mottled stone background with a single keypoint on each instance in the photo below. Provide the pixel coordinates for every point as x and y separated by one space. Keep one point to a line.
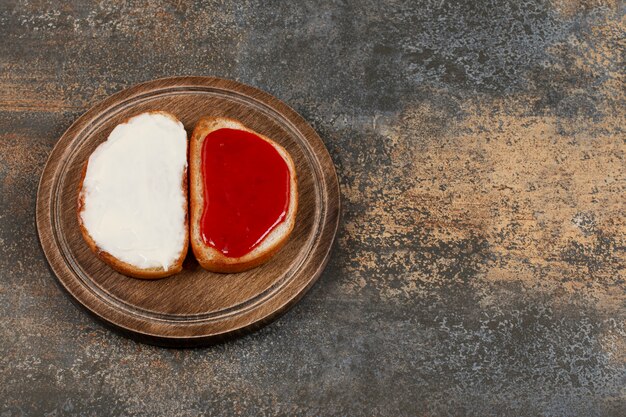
480 263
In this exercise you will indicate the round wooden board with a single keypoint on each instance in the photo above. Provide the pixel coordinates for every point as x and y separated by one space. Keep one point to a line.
194 307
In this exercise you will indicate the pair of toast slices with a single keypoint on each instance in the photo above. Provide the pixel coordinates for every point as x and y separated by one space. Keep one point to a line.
142 198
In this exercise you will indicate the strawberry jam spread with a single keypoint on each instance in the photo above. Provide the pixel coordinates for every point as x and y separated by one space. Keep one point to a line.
246 191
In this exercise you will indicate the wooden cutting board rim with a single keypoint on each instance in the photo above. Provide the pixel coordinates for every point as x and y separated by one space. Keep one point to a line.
87 293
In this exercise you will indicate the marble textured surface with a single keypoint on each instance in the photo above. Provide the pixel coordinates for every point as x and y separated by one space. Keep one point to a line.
480 263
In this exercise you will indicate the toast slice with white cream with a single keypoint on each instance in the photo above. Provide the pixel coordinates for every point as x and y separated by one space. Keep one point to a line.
132 203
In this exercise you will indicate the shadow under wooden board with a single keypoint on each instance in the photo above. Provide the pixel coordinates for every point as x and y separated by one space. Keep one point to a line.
194 307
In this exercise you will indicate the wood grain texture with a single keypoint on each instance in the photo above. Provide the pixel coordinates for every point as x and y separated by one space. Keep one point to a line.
196 306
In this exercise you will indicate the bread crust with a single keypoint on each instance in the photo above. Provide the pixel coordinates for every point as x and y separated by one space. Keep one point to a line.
117 264
208 257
